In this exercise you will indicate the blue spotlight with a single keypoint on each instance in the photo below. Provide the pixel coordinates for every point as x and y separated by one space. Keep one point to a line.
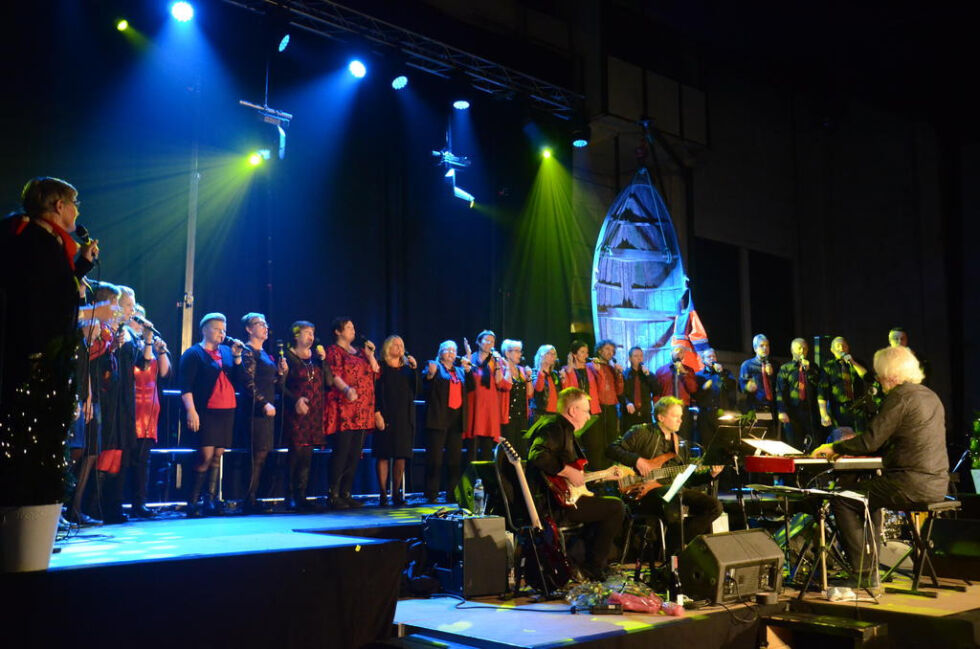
284 43
357 69
580 143
182 11
399 82
461 104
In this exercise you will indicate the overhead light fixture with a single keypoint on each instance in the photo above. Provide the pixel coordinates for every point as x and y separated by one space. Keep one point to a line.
357 69
182 11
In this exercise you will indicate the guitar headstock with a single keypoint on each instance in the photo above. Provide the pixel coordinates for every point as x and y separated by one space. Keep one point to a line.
512 455
621 471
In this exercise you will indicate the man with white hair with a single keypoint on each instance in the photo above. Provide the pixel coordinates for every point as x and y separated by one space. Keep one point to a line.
909 432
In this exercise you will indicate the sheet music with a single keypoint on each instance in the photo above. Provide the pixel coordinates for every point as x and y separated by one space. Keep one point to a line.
771 447
679 482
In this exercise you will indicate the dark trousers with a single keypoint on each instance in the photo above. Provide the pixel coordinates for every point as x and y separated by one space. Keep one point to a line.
345 446
141 469
446 444
514 433
702 510
799 432
479 448
603 517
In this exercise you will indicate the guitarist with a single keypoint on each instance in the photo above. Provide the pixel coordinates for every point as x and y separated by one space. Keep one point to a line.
554 451
639 447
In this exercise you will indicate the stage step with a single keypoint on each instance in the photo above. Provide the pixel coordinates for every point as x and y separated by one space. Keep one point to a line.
422 641
803 630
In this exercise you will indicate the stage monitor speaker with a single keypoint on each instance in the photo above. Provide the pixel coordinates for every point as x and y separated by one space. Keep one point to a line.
956 548
731 567
469 553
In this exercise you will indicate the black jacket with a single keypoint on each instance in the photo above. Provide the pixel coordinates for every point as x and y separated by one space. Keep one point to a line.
199 373
553 444
437 401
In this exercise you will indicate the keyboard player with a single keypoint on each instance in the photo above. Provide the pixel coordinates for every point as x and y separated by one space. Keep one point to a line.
909 432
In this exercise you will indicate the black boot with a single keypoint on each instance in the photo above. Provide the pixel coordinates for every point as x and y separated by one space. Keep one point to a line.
336 500
112 499
193 509
213 505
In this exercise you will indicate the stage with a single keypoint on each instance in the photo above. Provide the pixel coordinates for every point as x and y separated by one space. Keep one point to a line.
333 580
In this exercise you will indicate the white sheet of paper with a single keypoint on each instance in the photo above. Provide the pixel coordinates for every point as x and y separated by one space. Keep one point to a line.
771 447
679 482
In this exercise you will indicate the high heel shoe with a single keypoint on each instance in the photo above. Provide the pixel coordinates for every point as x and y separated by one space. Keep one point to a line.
383 499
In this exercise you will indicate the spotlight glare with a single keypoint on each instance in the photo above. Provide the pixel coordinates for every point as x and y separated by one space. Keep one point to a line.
461 104
284 43
580 143
182 11
255 159
122 25
399 82
357 69
546 152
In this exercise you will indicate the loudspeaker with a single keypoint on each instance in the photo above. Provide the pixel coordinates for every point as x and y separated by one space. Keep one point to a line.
731 567
469 553
956 547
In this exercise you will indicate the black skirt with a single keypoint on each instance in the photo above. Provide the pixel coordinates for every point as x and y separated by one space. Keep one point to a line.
263 433
217 428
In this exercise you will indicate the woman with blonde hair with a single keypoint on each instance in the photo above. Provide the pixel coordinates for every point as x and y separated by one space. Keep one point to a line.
394 403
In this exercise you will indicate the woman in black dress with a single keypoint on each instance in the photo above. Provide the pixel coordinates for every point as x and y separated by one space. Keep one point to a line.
394 404
304 423
516 412
262 377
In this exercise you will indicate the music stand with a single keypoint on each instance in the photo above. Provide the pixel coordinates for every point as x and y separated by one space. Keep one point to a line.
726 448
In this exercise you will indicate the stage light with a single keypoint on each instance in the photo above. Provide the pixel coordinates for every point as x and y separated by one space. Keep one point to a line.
546 152
284 43
255 159
357 69
580 143
461 104
122 25
182 11
399 82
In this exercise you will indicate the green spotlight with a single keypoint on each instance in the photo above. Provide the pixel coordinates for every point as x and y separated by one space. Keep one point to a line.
122 25
546 152
255 159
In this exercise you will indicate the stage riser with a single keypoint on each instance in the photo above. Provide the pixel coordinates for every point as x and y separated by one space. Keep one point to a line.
339 597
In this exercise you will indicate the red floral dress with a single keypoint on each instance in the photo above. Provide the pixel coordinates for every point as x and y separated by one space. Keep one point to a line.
355 371
147 400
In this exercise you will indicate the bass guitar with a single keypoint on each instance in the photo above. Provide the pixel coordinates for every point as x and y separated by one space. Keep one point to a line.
659 476
568 494
545 566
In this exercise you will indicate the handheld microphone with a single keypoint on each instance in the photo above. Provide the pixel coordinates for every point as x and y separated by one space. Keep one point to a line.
140 320
82 233
281 349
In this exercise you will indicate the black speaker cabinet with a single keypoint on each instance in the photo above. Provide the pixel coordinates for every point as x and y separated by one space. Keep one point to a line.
469 553
956 548
730 567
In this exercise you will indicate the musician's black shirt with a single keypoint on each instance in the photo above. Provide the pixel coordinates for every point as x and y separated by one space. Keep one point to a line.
553 444
909 432
642 440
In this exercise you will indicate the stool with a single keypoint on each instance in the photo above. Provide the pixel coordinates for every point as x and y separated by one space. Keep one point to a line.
920 546
645 522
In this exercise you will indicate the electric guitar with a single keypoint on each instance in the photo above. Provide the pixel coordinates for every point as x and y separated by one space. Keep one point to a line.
568 494
545 565
659 476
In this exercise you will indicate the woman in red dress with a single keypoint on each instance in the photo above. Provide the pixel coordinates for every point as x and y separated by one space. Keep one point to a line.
488 396
153 364
352 404
305 387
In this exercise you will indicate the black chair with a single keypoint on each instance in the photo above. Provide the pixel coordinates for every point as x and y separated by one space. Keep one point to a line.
920 549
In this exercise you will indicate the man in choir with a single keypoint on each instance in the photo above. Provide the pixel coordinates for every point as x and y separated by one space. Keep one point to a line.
638 390
676 379
796 395
606 429
716 392
554 451
841 385
757 381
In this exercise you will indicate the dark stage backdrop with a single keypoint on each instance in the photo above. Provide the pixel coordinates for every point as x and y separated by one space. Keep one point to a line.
357 220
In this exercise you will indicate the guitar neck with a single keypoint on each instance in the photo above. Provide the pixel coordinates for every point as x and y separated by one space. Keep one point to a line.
528 499
592 476
660 474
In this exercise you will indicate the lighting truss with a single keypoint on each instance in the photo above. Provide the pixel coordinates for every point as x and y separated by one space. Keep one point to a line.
332 20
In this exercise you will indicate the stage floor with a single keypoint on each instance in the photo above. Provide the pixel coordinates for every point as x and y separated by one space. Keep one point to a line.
175 537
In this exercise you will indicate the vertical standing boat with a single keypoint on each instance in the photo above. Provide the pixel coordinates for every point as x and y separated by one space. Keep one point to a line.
640 292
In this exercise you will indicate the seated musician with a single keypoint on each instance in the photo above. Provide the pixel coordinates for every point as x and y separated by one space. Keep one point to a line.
646 447
909 432
554 451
